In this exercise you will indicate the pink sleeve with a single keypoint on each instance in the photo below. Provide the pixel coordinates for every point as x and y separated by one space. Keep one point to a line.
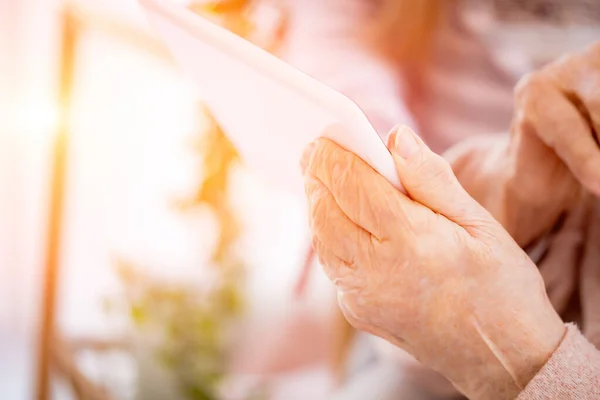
573 372
323 42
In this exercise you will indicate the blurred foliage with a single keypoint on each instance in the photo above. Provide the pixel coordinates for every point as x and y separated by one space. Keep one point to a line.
189 328
218 155
192 326
263 22
232 14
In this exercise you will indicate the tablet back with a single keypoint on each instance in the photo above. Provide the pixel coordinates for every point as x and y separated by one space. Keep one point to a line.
269 110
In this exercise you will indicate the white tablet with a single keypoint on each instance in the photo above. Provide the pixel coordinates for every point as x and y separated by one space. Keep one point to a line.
269 110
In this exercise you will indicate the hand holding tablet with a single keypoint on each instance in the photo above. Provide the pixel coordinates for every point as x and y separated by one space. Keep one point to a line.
269 110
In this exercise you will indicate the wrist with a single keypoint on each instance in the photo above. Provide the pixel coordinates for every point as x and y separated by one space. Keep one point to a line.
502 344
516 353
537 346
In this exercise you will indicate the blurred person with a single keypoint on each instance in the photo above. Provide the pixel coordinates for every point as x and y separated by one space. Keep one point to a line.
449 69
432 272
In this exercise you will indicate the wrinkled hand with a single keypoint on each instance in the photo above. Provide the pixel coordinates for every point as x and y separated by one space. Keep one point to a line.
431 272
554 139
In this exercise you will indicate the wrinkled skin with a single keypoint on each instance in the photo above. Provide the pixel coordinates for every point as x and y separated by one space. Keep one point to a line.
432 272
553 150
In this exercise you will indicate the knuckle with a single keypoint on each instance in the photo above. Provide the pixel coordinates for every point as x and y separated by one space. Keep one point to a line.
586 169
442 169
522 127
529 85
339 172
588 165
405 222
321 158
352 312
593 50
346 280
328 266
566 60
315 243
436 170
317 204
311 187
318 247
317 197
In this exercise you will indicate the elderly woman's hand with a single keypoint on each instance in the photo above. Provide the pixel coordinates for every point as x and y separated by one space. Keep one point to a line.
554 138
431 272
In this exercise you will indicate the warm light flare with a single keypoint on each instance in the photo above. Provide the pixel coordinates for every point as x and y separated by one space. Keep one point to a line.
37 118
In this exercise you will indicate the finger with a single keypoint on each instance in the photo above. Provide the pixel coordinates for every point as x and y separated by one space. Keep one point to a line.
357 313
589 86
339 272
306 156
350 310
543 106
366 197
332 227
590 281
429 180
578 77
587 102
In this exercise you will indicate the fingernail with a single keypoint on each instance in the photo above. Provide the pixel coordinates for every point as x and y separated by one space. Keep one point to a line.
405 142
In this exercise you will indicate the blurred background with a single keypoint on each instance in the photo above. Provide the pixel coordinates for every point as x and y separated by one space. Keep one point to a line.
138 258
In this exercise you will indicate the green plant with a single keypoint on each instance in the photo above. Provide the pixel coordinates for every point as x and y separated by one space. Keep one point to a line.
191 327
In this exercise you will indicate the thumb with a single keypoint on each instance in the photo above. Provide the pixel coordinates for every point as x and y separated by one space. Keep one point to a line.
429 180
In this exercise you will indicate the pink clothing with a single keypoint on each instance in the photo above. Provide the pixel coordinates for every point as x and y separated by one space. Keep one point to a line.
465 93
573 372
